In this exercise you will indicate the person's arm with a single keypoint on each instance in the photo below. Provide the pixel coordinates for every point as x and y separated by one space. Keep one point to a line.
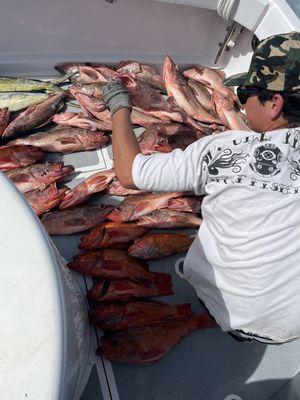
175 171
125 147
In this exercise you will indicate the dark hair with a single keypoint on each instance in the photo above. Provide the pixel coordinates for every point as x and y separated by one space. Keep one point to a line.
291 107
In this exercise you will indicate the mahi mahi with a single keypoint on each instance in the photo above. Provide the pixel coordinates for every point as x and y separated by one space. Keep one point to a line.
16 101
8 84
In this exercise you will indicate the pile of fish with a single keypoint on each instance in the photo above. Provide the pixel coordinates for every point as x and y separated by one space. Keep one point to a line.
175 108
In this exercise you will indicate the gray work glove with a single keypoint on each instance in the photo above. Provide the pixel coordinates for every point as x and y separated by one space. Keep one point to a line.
115 96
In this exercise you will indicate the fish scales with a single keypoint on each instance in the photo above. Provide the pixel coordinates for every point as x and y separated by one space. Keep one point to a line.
78 219
93 184
33 117
148 344
132 208
157 245
111 234
114 264
64 140
38 176
125 289
118 316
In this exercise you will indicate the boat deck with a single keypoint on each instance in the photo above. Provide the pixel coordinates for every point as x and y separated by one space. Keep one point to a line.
206 365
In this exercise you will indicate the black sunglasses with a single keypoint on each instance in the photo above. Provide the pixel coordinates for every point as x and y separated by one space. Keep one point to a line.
243 92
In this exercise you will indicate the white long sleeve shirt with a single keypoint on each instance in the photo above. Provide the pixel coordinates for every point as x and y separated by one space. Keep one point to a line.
245 261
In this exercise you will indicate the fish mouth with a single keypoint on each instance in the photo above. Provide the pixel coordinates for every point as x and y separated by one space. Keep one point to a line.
105 288
169 69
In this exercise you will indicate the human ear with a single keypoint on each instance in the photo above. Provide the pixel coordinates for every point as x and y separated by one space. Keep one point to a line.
276 106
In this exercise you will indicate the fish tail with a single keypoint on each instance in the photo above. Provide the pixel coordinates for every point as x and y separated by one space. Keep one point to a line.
163 284
162 280
73 266
51 87
63 78
204 320
184 310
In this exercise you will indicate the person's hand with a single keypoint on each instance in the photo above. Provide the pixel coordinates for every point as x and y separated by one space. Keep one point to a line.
115 96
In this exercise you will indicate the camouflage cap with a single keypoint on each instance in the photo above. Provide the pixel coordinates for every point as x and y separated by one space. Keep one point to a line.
275 65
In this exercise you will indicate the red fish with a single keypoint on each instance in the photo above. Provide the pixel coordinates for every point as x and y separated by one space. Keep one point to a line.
202 93
107 72
184 95
229 115
76 220
148 344
115 264
181 116
70 67
84 74
186 204
152 140
116 189
80 120
169 219
156 245
93 184
175 128
151 76
119 316
134 207
156 139
143 118
144 96
92 105
144 73
128 67
34 116
212 78
110 261
38 176
42 201
111 234
65 140
125 289
12 157
92 89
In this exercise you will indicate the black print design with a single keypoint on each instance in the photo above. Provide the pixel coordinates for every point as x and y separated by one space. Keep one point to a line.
227 159
295 167
267 158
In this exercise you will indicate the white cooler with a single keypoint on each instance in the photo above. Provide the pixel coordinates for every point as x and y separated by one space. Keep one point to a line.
44 332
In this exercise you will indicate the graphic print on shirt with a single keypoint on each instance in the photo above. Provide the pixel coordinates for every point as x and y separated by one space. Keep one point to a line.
225 159
294 167
267 160
263 157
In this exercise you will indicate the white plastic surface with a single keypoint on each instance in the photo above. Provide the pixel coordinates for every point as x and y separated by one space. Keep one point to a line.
43 335
250 13
209 4
31 334
279 18
38 34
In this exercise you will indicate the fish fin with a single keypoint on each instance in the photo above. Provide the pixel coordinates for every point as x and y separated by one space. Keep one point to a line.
204 320
184 310
53 88
162 280
63 78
